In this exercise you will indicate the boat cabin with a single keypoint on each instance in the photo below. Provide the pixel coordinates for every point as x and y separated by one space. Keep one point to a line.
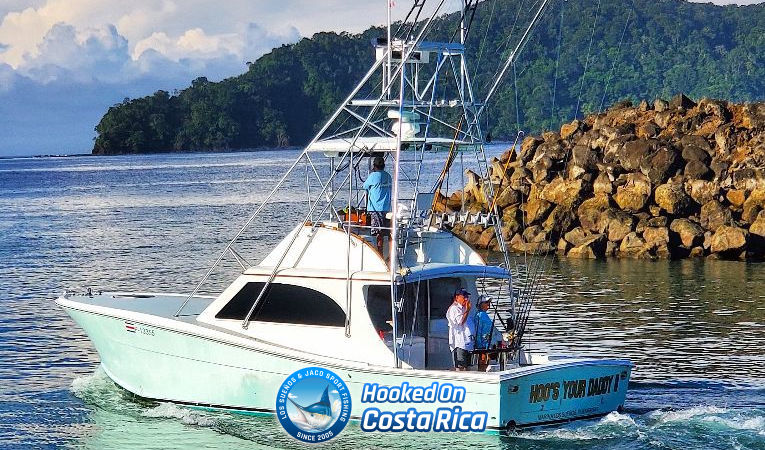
331 297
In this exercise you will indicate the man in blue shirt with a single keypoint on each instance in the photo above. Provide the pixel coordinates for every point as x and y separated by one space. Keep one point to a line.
378 187
486 334
485 330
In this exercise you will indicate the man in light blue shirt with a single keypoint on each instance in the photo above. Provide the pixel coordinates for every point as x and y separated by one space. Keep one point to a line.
378 187
485 331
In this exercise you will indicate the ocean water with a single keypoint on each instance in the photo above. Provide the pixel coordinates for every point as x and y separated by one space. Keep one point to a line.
694 329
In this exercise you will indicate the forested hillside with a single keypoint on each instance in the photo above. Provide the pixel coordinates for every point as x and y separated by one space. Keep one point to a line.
582 54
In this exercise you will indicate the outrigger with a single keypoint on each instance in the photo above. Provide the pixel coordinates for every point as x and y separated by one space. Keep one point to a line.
326 296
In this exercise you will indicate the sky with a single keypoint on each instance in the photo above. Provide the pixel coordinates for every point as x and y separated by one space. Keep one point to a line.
64 62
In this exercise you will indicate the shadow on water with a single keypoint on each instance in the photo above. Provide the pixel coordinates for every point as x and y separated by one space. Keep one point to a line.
694 329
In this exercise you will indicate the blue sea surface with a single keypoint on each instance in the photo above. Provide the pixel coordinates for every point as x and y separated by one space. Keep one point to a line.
695 329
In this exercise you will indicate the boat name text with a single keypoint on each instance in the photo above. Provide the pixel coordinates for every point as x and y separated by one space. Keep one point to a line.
581 388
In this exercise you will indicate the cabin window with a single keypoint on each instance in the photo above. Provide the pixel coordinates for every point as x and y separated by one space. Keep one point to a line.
284 303
442 295
441 291
378 306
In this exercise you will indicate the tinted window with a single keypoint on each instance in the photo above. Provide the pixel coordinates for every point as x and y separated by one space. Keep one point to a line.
284 303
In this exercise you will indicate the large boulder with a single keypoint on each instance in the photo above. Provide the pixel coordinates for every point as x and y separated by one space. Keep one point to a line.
590 210
534 233
655 236
560 219
694 153
552 147
671 198
634 152
633 246
657 241
473 187
507 196
592 247
745 178
758 227
576 236
616 224
703 192
536 207
603 184
720 167
517 244
614 149
680 101
753 205
485 238
634 194
660 165
691 140
757 235
729 241
697 170
568 129
529 147
472 233
714 215
498 173
563 192
690 234
753 116
540 169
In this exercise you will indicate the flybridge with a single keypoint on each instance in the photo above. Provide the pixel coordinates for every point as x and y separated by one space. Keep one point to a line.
422 52
416 99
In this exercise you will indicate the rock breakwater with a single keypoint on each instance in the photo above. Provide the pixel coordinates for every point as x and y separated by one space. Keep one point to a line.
665 179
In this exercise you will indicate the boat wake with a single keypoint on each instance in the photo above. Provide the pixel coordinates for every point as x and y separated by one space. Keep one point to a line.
185 415
706 426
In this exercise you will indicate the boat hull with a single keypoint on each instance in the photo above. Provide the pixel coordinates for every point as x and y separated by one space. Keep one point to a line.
166 364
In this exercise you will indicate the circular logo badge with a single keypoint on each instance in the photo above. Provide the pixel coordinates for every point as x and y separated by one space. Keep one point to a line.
313 405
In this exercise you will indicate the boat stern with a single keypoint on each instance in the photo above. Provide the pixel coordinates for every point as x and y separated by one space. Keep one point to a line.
563 389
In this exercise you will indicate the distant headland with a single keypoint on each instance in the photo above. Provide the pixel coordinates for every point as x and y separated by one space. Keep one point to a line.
657 180
640 49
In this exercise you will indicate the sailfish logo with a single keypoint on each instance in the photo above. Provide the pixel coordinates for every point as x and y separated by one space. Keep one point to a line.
314 417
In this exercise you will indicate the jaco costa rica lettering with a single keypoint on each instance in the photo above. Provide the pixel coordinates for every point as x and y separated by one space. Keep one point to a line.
443 419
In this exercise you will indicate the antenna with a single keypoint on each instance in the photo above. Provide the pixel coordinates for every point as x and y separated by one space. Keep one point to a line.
388 59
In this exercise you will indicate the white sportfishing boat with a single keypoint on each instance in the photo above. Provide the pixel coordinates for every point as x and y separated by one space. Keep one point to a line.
327 297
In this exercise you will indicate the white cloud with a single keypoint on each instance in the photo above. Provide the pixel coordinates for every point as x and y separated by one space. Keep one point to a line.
78 55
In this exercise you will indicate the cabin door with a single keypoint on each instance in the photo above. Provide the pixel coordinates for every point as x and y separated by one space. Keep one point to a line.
440 295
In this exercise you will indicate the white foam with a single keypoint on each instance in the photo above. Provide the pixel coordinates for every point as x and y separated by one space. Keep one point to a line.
617 418
185 415
87 384
611 426
751 423
683 415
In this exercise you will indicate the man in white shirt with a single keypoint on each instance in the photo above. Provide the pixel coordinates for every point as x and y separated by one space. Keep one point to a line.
460 329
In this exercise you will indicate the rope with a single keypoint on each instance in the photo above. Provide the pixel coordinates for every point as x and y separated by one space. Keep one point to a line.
507 164
517 106
587 61
447 165
613 65
483 41
504 46
557 65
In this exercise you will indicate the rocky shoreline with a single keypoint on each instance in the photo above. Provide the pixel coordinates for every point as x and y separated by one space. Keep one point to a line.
670 179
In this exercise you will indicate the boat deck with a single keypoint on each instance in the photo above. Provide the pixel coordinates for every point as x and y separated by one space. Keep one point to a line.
161 305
